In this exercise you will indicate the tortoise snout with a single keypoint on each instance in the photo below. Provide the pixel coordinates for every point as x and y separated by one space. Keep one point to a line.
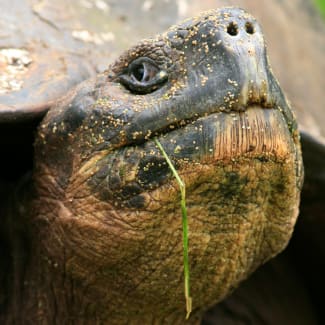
243 28
241 34
240 25
243 40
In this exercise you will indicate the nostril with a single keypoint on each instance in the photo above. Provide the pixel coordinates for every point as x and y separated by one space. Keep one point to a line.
232 29
249 27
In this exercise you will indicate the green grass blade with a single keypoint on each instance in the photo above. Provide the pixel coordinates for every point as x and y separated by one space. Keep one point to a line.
321 6
181 184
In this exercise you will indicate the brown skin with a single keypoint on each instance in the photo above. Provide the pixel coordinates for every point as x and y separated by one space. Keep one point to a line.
104 221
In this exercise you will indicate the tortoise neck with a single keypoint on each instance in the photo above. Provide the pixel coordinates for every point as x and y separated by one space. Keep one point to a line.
47 293
52 297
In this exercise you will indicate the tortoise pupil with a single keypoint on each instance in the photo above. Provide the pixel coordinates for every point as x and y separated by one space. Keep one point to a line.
138 72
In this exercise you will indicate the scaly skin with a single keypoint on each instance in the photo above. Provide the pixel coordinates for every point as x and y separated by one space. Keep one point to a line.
104 220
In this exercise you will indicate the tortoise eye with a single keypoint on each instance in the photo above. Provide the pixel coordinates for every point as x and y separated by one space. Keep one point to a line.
143 76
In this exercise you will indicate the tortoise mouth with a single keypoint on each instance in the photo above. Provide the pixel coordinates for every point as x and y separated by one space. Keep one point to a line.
216 139
143 126
227 135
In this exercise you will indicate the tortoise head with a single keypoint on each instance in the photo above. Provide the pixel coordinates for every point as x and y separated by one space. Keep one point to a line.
106 196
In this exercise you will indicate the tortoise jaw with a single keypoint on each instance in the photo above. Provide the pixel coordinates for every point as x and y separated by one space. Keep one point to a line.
256 133
141 127
219 138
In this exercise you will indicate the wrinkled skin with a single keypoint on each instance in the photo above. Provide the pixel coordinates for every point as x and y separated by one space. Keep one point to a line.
103 222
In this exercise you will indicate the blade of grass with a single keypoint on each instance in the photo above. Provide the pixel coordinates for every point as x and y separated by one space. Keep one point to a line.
320 6
181 184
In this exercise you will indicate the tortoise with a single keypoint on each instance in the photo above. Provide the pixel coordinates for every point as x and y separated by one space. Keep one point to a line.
92 234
